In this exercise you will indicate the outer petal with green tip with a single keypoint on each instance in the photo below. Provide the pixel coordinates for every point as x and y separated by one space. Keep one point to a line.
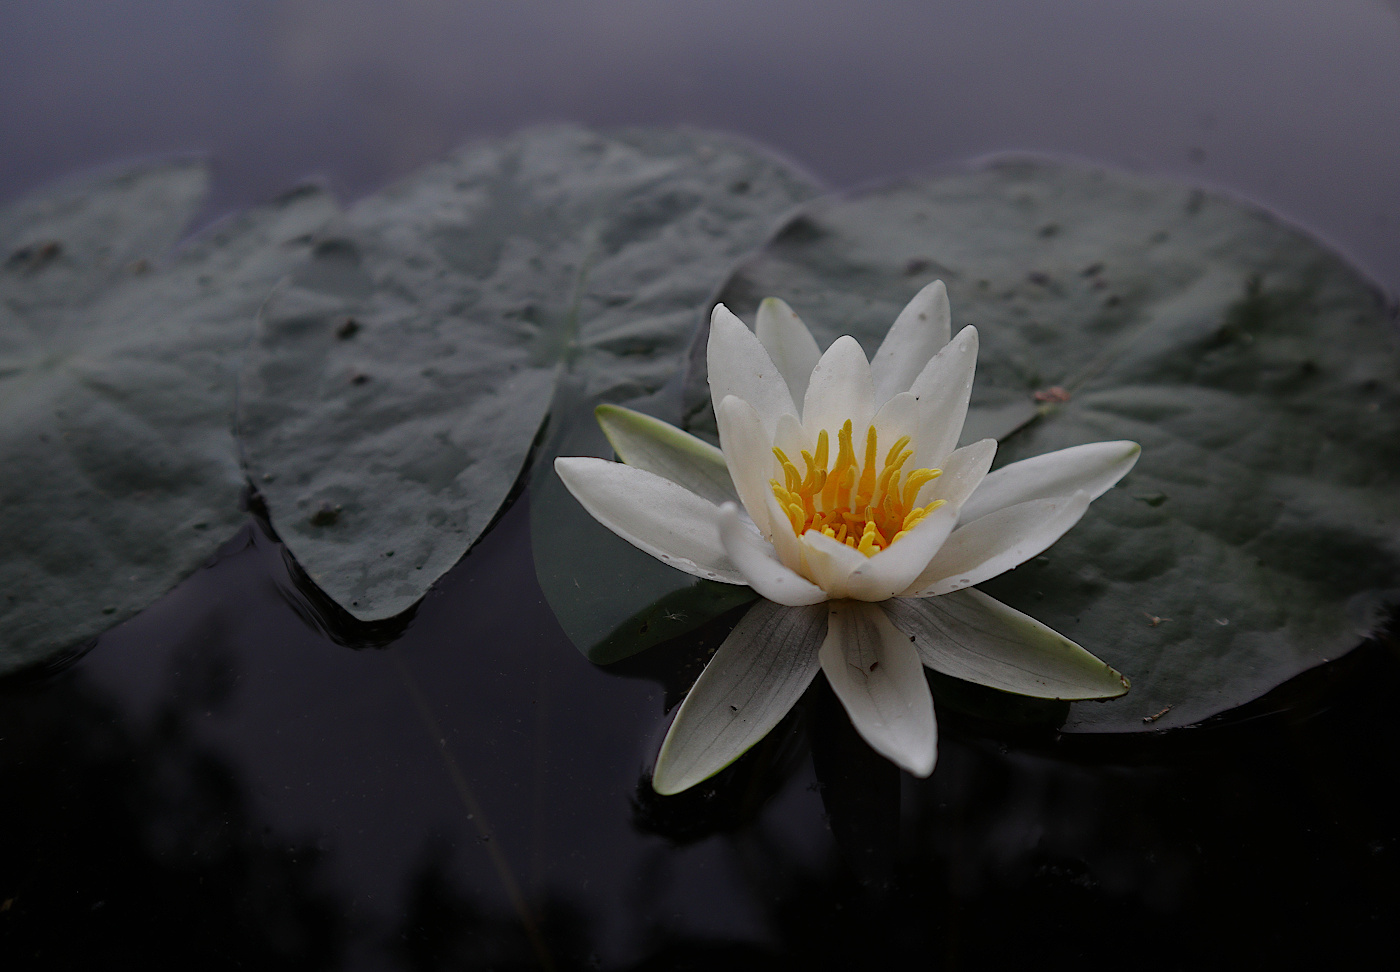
659 447
756 676
971 636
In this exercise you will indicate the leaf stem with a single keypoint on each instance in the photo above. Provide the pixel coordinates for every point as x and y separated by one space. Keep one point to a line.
477 816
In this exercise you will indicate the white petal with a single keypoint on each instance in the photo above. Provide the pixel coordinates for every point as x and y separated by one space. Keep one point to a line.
962 472
659 447
755 677
971 636
1093 467
920 330
748 452
943 388
789 344
995 543
792 438
900 416
739 366
785 542
653 514
893 569
840 389
828 563
759 564
876 674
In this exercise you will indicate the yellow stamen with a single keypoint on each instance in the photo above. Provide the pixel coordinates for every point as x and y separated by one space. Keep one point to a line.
895 450
868 473
856 503
794 513
789 470
916 482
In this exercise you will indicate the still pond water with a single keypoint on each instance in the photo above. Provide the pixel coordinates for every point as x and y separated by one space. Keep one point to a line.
222 783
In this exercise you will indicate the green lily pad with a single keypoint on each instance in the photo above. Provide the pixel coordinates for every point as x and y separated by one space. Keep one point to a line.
119 473
1259 535
397 384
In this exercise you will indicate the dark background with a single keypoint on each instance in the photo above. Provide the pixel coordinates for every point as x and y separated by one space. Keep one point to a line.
220 785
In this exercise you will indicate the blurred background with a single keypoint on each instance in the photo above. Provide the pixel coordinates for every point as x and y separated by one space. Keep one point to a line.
1293 103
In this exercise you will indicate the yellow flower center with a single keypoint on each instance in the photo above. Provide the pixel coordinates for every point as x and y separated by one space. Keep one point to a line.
862 505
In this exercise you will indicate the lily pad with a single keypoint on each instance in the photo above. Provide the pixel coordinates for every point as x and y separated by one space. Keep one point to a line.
119 473
1259 535
398 382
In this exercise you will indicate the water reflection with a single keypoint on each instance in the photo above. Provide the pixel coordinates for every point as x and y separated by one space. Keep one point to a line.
445 928
132 845
219 782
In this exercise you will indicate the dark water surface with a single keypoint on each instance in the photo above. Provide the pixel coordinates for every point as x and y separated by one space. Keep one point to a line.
220 784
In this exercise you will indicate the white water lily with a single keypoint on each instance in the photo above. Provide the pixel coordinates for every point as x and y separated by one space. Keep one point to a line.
860 523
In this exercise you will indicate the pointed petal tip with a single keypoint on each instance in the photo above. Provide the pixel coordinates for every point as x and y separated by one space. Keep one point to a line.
740 364
607 416
846 341
663 785
918 762
1130 450
879 679
1120 686
923 768
722 313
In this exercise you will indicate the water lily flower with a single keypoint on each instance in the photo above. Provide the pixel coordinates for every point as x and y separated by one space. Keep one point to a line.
839 494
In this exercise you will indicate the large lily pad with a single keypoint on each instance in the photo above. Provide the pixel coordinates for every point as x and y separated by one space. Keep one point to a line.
397 383
119 474
1259 534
